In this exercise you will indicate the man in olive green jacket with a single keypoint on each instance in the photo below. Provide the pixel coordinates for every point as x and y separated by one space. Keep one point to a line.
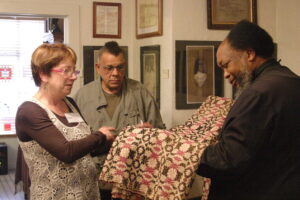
116 101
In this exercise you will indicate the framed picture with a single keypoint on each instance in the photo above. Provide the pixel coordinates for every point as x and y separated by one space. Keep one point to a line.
149 18
197 74
150 70
224 14
106 20
90 57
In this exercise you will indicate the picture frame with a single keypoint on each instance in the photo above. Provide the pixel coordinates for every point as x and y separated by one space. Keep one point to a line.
149 18
90 56
224 14
197 73
107 20
150 70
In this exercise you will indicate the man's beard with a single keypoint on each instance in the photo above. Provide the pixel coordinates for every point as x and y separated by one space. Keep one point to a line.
244 79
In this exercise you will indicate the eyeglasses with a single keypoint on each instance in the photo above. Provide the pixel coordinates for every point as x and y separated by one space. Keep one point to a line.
67 72
110 68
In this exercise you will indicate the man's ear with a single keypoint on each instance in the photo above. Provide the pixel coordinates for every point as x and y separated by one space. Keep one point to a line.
97 68
251 55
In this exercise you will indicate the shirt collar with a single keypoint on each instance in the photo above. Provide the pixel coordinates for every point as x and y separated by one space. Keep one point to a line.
101 98
269 63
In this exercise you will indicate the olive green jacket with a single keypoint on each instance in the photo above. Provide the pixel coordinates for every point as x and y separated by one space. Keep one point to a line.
136 104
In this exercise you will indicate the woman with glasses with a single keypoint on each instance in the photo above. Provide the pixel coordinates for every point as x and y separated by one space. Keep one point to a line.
56 141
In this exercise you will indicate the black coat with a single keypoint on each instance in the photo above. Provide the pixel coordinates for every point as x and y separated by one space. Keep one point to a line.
258 154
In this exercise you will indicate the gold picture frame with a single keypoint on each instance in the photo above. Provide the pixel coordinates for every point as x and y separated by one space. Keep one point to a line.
224 14
106 20
149 21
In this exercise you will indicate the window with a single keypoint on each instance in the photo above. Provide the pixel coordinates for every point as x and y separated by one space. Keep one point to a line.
18 39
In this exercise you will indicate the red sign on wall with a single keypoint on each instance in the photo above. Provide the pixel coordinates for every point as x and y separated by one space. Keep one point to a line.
5 73
7 127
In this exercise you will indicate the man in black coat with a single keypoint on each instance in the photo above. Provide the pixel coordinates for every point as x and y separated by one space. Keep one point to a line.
258 152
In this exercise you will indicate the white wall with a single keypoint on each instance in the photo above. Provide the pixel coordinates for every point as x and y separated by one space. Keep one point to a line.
166 62
288 33
190 24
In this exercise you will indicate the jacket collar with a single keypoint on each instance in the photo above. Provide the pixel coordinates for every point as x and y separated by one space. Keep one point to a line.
266 65
101 97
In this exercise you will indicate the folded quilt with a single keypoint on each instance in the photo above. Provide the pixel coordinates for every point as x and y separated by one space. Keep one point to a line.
158 164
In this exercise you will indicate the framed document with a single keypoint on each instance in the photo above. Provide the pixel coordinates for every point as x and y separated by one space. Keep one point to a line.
197 74
106 20
149 18
224 14
150 70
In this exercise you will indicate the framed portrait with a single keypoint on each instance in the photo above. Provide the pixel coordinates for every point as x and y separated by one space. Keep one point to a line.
149 18
197 74
106 20
90 58
150 70
224 14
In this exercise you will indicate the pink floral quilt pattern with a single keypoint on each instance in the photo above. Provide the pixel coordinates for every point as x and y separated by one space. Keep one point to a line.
157 164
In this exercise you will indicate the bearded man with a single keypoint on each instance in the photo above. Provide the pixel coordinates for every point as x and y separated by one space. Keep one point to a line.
258 152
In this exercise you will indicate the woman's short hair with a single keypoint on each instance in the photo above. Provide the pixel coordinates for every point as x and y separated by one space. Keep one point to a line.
47 56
